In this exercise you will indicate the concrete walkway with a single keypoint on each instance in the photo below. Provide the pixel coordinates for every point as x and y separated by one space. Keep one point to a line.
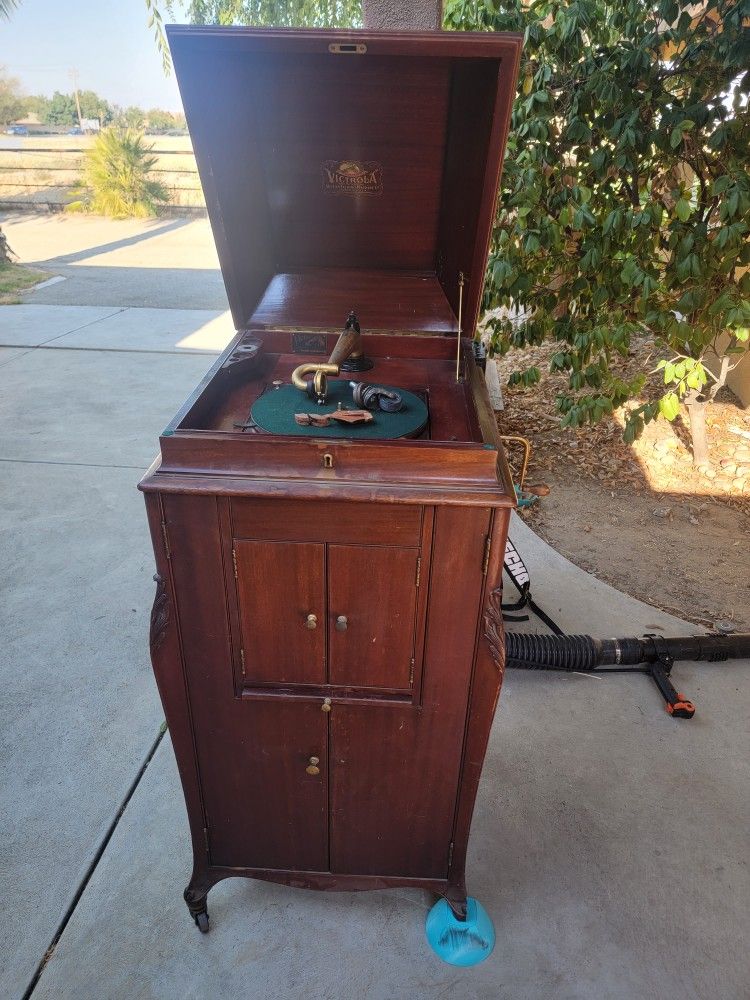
610 841
80 413
165 263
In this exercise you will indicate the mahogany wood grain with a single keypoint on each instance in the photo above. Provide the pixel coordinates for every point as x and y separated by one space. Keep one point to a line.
245 750
398 344
292 520
384 300
326 881
266 457
263 808
279 584
375 589
167 663
268 110
395 772
233 485
485 690
311 111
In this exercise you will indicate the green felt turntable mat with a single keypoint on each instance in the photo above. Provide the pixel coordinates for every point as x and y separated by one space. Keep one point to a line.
274 412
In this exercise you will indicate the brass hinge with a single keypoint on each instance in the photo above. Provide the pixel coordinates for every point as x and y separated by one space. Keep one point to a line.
450 855
486 560
419 570
205 838
242 661
234 563
166 540
411 671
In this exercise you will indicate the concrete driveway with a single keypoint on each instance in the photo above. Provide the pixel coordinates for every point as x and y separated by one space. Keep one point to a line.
610 841
164 263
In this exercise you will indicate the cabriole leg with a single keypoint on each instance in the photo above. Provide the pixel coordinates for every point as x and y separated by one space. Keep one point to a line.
456 897
196 896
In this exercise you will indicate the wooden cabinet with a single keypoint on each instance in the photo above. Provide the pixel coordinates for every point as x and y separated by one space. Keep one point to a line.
328 757
326 633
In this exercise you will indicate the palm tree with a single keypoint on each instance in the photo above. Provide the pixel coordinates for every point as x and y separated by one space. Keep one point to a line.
6 6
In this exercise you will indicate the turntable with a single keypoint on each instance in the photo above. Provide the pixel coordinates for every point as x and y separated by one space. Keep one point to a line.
330 506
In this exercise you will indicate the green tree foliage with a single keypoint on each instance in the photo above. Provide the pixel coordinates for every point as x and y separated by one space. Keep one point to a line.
37 105
131 118
164 121
277 13
93 106
117 178
13 104
61 110
262 13
161 121
626 195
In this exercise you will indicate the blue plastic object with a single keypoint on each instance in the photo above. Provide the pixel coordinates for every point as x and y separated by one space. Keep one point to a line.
460 942
524 498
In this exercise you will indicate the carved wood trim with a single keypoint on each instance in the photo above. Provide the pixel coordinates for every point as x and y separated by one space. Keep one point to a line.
494 632
159 614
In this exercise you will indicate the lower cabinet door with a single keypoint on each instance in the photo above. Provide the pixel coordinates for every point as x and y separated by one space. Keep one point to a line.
265 786
394 783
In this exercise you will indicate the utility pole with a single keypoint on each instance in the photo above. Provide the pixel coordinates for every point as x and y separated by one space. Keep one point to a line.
74 78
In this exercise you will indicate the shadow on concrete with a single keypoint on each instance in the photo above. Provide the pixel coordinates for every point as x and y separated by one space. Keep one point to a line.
157 287
128 241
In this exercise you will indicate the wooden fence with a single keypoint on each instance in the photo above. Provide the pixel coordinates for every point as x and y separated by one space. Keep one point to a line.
43 172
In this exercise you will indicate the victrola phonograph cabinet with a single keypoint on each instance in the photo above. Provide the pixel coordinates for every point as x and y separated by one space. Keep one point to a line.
330 507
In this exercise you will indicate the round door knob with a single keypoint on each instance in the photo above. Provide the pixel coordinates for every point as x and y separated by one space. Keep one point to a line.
326 706
342 623
312 767
312 621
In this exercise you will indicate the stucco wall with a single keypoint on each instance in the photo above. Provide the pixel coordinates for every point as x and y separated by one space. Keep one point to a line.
412 15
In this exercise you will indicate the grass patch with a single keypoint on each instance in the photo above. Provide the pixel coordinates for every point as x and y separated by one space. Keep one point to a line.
14 278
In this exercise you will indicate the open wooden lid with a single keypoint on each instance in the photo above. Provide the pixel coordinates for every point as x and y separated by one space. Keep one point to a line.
348 170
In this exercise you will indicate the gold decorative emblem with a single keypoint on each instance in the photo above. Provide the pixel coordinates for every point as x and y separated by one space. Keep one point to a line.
352 177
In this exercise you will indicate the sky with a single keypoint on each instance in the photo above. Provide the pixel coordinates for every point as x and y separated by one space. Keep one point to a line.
107 41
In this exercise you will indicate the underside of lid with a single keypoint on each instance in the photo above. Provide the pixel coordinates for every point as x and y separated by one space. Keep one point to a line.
349 170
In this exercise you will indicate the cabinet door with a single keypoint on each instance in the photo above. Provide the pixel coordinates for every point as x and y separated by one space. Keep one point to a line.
263 807
372 597
281 590
394 780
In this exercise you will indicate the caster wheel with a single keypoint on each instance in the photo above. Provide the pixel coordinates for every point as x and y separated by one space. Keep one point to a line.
201 920
460 942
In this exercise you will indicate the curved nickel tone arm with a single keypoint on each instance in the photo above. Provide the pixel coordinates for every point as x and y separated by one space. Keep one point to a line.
347 356
317 387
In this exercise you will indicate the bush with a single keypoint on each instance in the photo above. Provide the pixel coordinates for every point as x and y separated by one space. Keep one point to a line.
116 177
626 195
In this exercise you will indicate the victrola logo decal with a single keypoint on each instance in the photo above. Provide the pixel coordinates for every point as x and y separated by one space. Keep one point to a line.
352 177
